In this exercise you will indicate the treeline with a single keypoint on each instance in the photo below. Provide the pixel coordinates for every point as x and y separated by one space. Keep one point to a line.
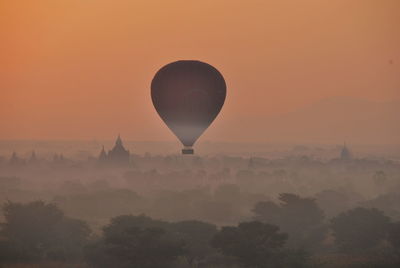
292 232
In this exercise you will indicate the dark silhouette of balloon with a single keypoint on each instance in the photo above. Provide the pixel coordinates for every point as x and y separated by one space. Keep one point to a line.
188 96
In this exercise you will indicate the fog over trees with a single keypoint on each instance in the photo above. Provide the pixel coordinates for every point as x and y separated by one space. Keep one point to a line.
216 210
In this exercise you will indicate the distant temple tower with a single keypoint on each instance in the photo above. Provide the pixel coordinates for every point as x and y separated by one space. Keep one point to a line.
33 159
251 163
345 154
118 156
15 160
103 156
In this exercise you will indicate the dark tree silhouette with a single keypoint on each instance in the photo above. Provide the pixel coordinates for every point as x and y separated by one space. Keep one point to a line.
300 217
359 229
197 236
254 244
394 235
41 231
136 242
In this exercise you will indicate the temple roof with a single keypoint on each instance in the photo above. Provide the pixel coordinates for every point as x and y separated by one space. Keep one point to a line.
118 147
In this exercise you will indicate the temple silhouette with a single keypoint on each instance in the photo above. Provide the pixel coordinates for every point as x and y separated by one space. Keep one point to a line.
345 154
117 156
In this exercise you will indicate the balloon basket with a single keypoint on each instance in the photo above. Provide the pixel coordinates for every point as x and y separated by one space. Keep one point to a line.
187 151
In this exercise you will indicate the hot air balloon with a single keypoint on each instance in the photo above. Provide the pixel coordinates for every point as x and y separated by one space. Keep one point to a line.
188 95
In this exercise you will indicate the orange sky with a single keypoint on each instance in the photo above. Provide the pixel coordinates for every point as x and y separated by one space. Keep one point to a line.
81 69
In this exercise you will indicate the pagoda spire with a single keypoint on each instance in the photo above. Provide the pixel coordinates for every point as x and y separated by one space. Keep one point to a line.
33 157
345 154
103 155
119 140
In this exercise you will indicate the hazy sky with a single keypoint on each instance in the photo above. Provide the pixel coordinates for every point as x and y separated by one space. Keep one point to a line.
81 69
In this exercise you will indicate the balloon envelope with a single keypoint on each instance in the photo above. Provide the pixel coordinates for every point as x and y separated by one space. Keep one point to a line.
188 95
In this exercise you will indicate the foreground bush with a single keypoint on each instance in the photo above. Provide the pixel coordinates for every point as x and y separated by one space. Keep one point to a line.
257 244
135 242
38 231
359 229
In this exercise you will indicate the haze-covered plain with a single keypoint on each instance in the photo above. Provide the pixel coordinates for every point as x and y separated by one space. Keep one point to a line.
314 194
